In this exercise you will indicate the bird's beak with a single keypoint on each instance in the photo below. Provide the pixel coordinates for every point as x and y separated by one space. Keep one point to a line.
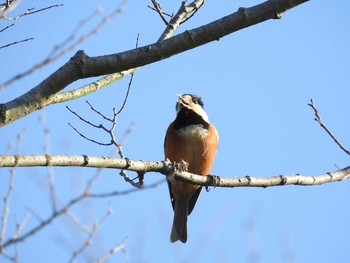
182 100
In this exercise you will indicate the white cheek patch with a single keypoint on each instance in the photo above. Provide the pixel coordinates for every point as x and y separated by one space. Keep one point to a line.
200 111
186 102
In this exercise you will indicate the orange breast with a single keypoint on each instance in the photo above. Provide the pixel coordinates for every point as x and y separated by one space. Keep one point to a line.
196 147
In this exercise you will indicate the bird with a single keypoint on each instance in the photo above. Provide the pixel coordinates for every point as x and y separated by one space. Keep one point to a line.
192 140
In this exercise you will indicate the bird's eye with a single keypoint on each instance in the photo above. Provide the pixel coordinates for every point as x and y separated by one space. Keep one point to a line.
194 100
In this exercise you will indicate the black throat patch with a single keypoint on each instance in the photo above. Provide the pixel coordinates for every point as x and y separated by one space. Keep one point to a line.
187 117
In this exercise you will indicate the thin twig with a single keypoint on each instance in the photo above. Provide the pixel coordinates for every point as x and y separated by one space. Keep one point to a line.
127 94
85 120
30 11
74 45
59 47
91 233
156 7
194 11
107 80
110 131
99 113
50 170
20 225
89 139
16 42
116 193
76 221
319 120
7 199
100 126
130 82
7 27
111 252
5 215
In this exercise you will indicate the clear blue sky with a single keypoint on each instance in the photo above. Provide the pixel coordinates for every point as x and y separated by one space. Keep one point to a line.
255 84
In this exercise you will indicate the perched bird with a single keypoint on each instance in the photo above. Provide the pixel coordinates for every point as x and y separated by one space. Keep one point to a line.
189 139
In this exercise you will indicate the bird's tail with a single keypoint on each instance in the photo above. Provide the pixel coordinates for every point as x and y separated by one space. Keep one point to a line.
179 229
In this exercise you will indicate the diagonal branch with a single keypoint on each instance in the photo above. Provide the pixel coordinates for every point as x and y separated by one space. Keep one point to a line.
59 212
29 11
82 66
111 78
72 42
16 42
185 12
156 7
319 120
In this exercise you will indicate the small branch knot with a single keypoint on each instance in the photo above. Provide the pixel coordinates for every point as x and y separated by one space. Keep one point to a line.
283 180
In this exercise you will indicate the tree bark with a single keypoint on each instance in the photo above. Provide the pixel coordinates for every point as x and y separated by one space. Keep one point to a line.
82 66
169 169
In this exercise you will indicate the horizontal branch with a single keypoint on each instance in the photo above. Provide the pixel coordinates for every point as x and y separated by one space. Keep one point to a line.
249 181
166 168
82 66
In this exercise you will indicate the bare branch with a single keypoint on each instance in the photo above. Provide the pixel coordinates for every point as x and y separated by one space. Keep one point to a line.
319 120
20 225
7 7
156 7
249 181
8 196
116 193
100 126
59 213
7 27
83 66
127 94
76 221
50 171
61 50
89 139
91 232
96 85
16 42
196 5
168 168
89 88
5 215
110 131
111 252
181 16
29 11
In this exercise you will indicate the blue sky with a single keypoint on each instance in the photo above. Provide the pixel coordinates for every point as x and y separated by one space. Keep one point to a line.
255 83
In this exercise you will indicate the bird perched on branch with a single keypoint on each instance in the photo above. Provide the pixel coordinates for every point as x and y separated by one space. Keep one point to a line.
190 139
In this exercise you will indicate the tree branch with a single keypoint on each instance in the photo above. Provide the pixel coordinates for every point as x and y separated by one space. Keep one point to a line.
180 17
168 168
72 42
16 42
63 210
82 66
29 11
107 80
319 120
164 167
249 181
